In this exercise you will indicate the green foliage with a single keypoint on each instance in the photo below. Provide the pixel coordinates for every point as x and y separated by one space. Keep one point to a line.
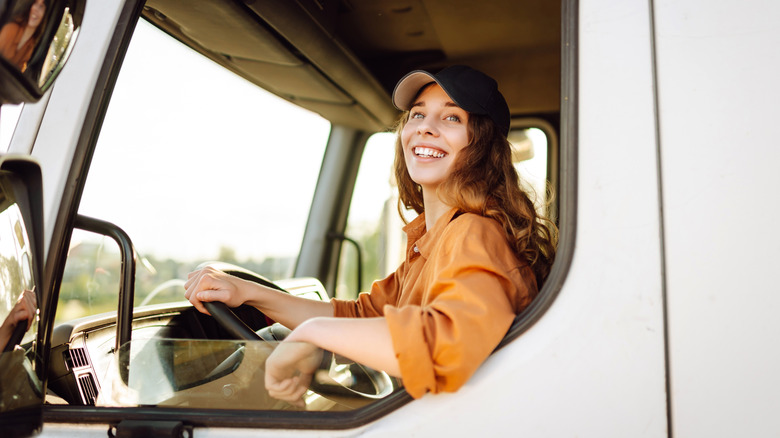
92 275
373 256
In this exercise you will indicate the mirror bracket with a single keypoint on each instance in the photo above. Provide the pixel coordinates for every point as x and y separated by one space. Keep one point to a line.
124 317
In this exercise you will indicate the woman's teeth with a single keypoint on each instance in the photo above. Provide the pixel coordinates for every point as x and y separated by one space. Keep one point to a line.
428 152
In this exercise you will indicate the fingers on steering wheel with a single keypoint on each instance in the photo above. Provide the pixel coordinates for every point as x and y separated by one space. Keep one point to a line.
195 277
193 287
25 308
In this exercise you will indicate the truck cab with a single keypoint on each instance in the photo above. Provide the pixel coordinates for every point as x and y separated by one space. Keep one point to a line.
258 136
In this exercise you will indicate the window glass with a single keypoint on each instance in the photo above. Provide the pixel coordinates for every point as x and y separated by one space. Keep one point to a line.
90 283
530 147
195 169
20 389
228 374
197 164
373 220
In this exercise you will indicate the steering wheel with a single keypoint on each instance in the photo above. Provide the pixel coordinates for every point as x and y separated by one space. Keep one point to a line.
367 383
230 322
16 336
360 380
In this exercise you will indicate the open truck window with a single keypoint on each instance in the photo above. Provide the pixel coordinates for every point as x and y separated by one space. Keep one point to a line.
214 169
374 243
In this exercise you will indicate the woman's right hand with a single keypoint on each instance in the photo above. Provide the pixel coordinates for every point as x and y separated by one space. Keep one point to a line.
289 371
210 284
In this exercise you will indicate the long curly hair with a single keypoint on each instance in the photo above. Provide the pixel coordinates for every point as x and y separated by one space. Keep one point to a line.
21 11
484 181
21 14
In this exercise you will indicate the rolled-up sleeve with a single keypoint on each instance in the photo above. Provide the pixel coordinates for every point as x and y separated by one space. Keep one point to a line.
440 343
449 304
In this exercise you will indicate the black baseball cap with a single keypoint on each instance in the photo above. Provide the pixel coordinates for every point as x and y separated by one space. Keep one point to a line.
470 89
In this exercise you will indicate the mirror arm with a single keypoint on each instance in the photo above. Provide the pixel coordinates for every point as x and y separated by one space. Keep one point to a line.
127 274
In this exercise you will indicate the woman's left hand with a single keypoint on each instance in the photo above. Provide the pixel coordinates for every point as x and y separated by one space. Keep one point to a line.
289 370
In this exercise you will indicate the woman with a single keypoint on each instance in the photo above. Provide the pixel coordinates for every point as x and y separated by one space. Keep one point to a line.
476 252
18 37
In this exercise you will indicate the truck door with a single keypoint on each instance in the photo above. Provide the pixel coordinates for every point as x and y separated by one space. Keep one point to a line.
717 94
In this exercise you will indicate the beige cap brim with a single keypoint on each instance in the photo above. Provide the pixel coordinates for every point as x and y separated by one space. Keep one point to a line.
408 88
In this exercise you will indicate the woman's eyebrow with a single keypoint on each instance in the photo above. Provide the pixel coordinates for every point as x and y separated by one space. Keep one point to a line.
447 104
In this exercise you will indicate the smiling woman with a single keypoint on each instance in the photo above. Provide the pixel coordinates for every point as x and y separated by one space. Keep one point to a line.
476 254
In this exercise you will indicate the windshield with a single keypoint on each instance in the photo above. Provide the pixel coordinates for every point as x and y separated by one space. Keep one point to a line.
195 164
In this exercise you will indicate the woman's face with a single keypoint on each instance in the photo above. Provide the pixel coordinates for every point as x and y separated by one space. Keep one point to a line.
37 11
437 130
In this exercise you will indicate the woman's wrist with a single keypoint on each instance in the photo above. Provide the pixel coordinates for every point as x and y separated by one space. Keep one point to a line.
251 293
310 331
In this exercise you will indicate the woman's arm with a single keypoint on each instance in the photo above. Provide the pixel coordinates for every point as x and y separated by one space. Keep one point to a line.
289 369
209 284
364 340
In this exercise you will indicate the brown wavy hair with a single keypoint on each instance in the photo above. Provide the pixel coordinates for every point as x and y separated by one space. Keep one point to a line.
484 181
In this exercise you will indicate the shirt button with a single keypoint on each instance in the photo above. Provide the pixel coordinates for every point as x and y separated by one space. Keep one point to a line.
415 249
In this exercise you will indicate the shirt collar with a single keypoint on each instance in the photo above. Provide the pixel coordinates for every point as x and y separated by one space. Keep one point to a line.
417 236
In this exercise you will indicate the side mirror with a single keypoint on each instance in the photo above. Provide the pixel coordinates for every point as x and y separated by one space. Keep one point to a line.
36 37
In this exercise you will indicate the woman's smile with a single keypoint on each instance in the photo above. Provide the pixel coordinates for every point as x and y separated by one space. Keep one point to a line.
429 152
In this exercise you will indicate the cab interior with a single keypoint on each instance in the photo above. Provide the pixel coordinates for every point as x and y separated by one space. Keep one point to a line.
338 60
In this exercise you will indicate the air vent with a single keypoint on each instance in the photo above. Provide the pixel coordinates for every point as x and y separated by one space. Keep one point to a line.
78 358
88 389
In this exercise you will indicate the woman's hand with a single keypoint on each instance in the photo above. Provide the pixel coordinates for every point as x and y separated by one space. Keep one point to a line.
289 370
209 284
25 309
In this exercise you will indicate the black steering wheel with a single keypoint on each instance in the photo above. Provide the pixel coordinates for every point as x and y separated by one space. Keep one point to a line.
374 384
222 313
17 335
230 322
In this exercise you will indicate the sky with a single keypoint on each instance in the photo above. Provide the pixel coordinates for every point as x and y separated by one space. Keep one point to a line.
192 158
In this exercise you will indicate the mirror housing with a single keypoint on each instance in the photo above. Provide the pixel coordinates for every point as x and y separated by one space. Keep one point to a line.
36 38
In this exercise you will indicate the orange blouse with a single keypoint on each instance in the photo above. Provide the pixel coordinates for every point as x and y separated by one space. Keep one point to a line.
10 36
450 302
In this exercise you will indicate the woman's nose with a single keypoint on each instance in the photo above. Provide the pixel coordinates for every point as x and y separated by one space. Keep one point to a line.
427 126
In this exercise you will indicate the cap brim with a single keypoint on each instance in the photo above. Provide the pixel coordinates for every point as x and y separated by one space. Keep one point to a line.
408 87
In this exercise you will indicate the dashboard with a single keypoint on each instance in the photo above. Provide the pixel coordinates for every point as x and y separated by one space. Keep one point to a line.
180 357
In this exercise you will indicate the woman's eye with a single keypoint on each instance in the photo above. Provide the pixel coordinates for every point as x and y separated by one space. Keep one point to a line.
416 116
452 118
